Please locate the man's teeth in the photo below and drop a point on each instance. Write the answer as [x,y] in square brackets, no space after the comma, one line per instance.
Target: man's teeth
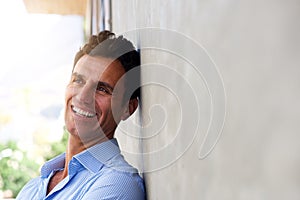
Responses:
[82,112]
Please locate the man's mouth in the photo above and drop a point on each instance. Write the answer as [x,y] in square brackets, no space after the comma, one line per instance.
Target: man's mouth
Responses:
[82,112]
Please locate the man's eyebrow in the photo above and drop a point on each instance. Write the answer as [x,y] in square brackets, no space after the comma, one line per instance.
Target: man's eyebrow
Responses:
[100,83]
[78,75]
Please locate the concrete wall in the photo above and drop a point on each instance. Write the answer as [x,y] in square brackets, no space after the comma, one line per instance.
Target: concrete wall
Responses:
[253,47]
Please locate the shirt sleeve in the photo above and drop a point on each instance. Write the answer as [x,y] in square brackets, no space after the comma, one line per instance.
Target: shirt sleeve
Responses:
[30,190]
[117,187]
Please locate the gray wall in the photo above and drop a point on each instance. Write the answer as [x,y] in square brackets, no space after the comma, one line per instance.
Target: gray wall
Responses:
[255,47]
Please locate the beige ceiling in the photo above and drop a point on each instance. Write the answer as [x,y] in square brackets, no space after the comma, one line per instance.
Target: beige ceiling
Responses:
[62,7]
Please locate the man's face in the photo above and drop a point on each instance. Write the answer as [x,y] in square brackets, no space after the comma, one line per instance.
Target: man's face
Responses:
[90,98]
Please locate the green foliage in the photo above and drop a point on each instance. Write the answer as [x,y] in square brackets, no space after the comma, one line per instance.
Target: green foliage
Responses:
[16,168]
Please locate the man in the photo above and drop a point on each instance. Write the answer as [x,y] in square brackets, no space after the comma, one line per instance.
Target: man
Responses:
[98,97]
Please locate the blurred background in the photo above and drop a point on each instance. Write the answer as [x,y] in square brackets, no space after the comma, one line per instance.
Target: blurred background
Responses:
[37,51]
[253,46]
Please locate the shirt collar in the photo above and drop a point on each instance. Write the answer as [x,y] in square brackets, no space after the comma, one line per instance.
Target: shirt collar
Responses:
[92,158]
[57,162]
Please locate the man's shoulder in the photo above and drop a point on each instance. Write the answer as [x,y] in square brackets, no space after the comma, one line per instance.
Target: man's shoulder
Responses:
[119,164]
[120,172]
[115,184]
[110,175]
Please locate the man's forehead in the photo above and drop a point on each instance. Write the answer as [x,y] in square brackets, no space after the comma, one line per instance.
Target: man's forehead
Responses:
[97,66]
[92,64]
[99,69]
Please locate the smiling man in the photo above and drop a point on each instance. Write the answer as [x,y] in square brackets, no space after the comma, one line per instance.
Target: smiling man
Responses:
[98,97]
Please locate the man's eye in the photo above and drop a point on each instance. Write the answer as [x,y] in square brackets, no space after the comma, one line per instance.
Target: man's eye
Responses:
[102,89]
[77,80]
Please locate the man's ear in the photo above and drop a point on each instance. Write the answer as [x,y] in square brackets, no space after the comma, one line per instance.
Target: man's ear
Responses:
[132,105]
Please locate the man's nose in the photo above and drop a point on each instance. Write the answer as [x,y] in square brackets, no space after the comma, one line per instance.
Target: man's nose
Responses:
[86,94]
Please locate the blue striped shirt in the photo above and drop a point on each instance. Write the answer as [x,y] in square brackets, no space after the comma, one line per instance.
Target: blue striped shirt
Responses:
[99,172]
